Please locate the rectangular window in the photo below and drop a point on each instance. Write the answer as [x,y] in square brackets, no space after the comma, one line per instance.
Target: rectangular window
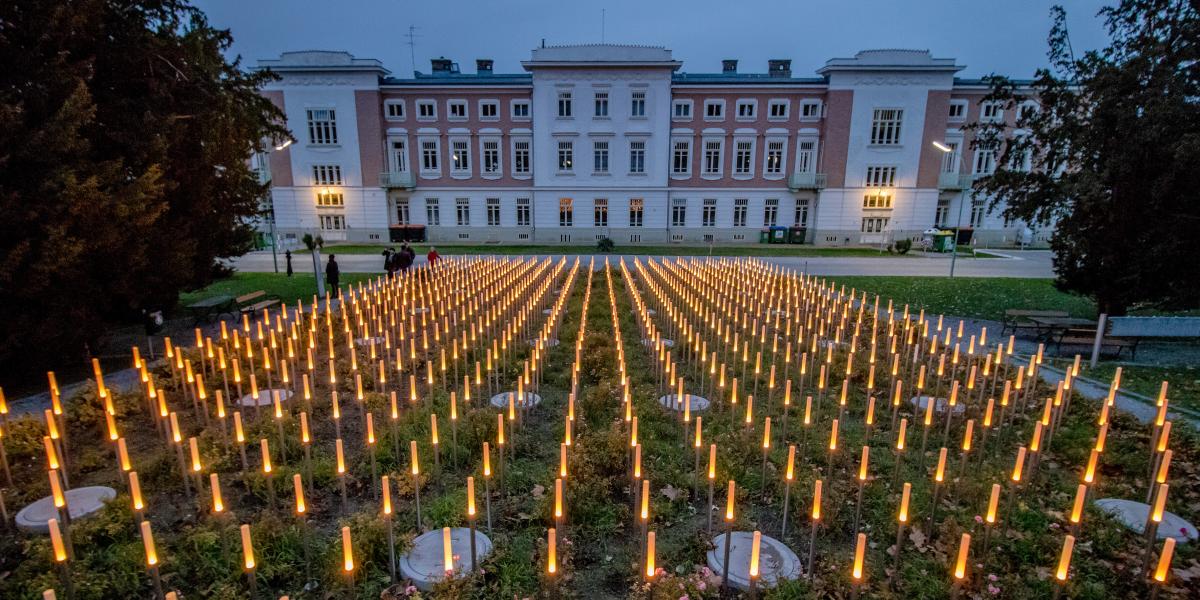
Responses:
[332,222]
[460,156]
[777,110]
[520,109]
[712,157]
[399,156]
[682,110]
[745,109]
[523,219]
[462,210]
[326,198]
[327,175]
[992,111]
[743,159]
[433,213]
[941,214]
[1020,159]
[489,110]
[810,110]
[879,182]
[679,212]
[740,206]
[774,164]
[771,212]
[885,126]
[521,157]
[566,212]
[402,213]
[426,110]
[950,159]
[600,157]
[681,157]
[801,219]
[636,211]
[393,110]
[985,161]
[322,126]
[429,156]
[491,157]
[564,105]
[493,212]
[600,213]
[458,110]
[874,224]
[714,110]
[958,110]
[708,215]
[978,211]
[806,156]
[637,105]
[566,158]
[637,157]
[601,105]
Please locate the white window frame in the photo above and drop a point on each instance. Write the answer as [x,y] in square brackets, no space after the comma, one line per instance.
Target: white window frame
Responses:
[433,212]
[516,154]
[704,170]
[637,156]
[886,129]
[708,212]
[679,205]
[566,212]
[452,104]
[749,103]
[524,212]
[512,109]
[460,143]
[635,102]
[332,222]
[321,132]
[770,212]
[565,149]
[403,211]
[492,211]
[773,103]
[494,104]
[327,198]
[601,157]
[437,156]
[600,212]
[637,212]
[879,185]
[874,224]
[995,108]
[675,116]
[398,157]
[780,173]
[600,104]
[806,160]
[326,175]
[687,149]
[1027,105]
[431,105]
[714,102]
[959,106]
[392,103]
[564,104]
[739,153]
[459,205]
[498,170]
[800,214]
[741,208]
[810,106]
[951,160]
[984,161]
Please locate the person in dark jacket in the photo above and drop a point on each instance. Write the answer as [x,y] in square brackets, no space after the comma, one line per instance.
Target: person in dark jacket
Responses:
[288,255]
[332,273]
[404,258]
[389,262]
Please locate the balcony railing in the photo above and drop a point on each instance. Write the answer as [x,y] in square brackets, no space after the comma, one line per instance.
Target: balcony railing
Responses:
[391,180]
[807,181]
[954,181]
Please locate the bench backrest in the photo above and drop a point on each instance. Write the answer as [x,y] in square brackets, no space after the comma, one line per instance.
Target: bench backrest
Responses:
[1167,327]
[250,297]
[1018,312]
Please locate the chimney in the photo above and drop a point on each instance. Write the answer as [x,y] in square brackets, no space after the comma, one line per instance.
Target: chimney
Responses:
[483,66]
[729,66]
[440,65]
[779,67]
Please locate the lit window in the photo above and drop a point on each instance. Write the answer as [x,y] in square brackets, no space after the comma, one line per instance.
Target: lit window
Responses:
[879,182]
[600,213]
[636,211]
[566,157]
[566,212]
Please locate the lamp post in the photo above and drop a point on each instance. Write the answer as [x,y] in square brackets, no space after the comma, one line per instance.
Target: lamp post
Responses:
[961,201]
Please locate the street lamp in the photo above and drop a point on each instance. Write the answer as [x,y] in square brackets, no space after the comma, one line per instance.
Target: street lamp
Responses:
[945,149]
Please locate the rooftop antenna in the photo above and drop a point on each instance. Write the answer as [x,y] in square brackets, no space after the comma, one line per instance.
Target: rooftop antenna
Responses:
[412,47]
[602,26]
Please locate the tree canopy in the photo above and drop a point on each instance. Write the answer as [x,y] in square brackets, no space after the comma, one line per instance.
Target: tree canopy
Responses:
[125,138]
[1105,147]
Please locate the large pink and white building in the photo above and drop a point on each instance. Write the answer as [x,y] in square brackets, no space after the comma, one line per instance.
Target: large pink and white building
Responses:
[607,140]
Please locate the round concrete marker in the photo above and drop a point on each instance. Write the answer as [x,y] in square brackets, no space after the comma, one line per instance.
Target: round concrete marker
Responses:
[81,501]
[501,400]
[939,406]
[651,312]
[672,402]
[546,311]
[550,343]
[265,397]
[775,561]
[419,309]
[666,342]
[424,564]
[1134,514]
[367,341]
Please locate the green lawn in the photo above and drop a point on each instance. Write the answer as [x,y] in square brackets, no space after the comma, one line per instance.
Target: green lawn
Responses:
[1184,389]
[978,297]
[287,288]
[669,250]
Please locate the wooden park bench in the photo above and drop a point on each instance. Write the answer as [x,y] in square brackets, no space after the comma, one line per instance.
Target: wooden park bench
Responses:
[255,301]
[1087,338]
[1015,318]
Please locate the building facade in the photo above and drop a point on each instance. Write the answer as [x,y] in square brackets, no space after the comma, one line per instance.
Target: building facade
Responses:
[604,140]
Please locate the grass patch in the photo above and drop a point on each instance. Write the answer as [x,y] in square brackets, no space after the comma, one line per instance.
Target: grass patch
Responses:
[667,250]
[976,297]
[288,288]
[1183,390]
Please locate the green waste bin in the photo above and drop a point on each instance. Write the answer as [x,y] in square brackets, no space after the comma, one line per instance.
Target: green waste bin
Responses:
[779,235]
[797,234]
[943,241]
[764,236]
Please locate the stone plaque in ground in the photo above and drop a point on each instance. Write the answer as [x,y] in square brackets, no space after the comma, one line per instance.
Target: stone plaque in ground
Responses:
[265,397]
[425,563]
[501,400]
[920,402]
[1134,514]
[775,562]
[81,501]
[672,402]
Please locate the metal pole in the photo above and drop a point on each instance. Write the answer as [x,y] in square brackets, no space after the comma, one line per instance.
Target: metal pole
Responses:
[957,226]
[1099,341]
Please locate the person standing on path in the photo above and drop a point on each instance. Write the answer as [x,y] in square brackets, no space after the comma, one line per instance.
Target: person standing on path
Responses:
[332,273]
[432,257]
[288,255]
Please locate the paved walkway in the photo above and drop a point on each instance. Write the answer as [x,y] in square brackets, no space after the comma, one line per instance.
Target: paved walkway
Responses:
[1029,263]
